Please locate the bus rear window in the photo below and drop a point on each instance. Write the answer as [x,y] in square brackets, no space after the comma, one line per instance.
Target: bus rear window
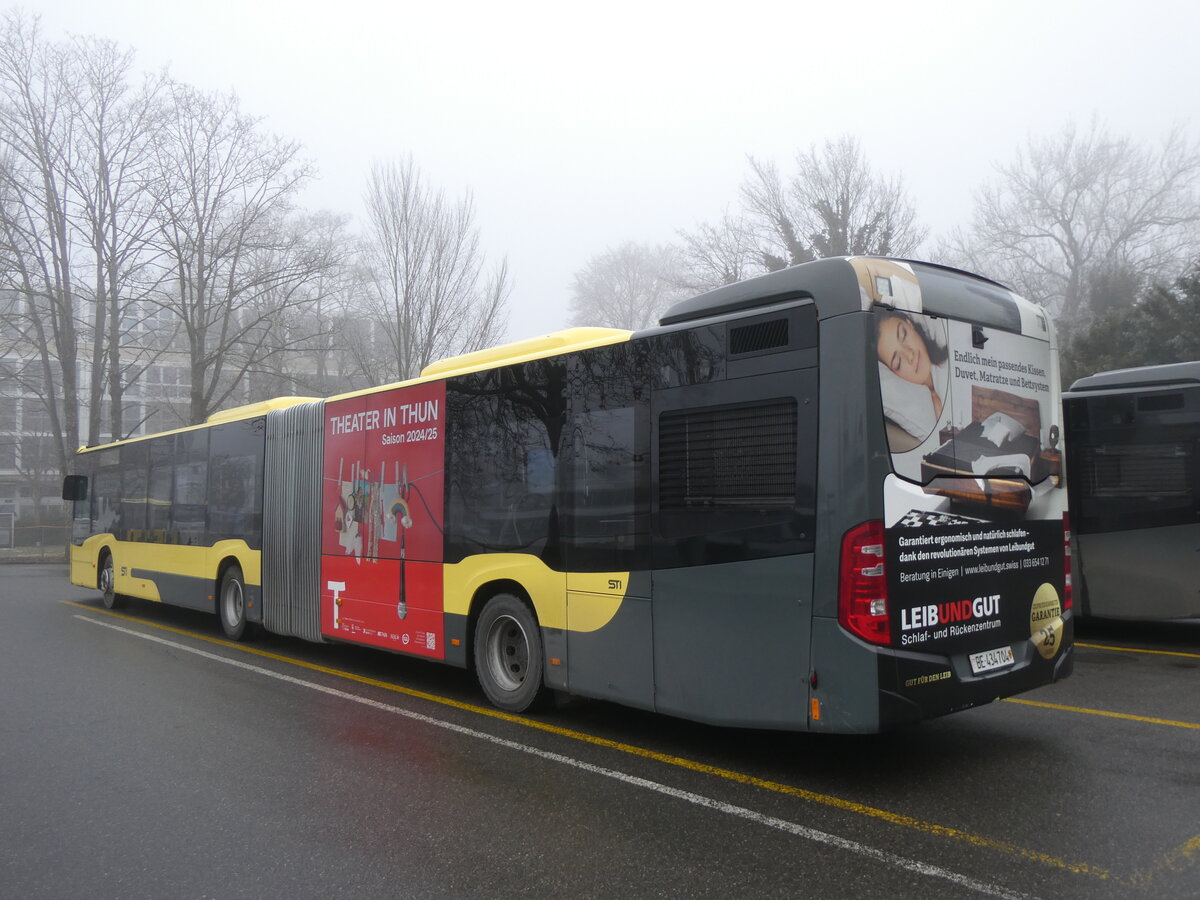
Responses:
[948,293]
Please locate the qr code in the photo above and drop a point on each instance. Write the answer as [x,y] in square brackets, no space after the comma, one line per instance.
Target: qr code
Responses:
[430,641]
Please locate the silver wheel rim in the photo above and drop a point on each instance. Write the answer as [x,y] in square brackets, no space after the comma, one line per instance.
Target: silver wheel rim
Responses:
[106,579]
[232,603]
[506,651]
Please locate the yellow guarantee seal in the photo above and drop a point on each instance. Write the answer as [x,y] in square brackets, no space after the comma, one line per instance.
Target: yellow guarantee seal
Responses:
[1045,621]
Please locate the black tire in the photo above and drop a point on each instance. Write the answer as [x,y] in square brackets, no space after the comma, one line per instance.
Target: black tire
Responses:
[231,605]
[508,654]
[107,583]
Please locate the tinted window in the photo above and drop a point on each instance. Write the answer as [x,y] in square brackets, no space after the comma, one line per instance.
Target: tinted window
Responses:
[695,356]
[235,481]
[605,499]
[189,508]
[162,473]
[960,296]
[504,435]
[1132,465]
[106,493]
[134,461]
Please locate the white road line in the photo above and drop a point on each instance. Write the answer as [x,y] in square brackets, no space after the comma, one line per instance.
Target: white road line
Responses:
[810,834]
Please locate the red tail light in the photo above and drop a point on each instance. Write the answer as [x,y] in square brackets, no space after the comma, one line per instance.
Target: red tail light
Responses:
[862,585]
[1067,590]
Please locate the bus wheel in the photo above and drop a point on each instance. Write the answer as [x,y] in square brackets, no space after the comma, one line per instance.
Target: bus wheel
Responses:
[508,654]
[231,604]
[107,583]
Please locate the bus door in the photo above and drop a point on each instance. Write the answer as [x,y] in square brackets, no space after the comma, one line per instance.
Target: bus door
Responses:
[604,518]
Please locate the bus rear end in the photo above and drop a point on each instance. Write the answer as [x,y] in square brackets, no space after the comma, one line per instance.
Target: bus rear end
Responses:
[953,560]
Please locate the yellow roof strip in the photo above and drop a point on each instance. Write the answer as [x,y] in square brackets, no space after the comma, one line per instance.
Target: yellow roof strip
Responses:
[234,414]
[570,340]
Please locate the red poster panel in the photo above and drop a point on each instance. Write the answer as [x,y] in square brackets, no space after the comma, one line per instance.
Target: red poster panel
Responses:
[382,517]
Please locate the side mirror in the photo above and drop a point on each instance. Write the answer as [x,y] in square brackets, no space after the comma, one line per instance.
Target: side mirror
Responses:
[75,487]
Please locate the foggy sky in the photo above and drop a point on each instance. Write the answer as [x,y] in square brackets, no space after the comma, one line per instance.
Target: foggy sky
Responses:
[578,127]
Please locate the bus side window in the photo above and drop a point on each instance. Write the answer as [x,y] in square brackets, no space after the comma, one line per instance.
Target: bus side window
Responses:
[135,460]
[235,482]
[106,495]
[605,503]
[502,440]
[189,511]
[162,471]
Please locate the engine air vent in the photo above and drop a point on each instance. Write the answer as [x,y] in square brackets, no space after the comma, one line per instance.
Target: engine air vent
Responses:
[758,337]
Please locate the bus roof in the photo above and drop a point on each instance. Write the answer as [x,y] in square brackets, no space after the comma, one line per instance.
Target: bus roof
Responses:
[491,357]
[834,278]
[233,414]
[1140,377]
[530,348]
[505,354]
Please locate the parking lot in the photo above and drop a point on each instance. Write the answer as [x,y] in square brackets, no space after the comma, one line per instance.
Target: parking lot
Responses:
[164,757]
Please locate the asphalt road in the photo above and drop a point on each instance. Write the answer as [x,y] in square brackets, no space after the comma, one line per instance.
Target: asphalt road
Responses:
[142,756]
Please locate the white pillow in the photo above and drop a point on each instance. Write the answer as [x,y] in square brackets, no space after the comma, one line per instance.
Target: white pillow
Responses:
[908,405]
[985,464]
[1000,427]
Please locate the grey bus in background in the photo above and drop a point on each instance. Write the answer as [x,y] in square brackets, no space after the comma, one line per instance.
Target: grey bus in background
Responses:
[1132,461]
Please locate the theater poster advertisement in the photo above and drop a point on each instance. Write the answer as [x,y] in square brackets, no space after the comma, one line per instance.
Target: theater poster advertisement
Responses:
[973,512]
[382,508]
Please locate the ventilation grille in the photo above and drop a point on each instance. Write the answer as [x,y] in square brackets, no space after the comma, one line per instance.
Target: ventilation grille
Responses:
[758,337]
[1138,470]
[741,456]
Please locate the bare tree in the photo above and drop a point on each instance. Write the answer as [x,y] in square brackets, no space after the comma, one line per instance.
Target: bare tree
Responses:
[113,128]
[714,255]
[625,287]
[427,291]
[34,222]
[1083,220]
[73,221]
[833,205]
[224,192]
[308,343]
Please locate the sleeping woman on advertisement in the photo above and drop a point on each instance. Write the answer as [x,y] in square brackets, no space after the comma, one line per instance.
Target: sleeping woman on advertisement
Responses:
[988,420]
[913,375]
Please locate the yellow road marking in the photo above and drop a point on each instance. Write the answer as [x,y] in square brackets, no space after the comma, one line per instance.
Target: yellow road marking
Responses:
[1079,868]
[1150,720]
[1176,861]
[1138,650]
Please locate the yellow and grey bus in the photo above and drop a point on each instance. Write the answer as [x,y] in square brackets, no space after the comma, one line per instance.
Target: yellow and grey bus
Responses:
[825,499]
[1134,457]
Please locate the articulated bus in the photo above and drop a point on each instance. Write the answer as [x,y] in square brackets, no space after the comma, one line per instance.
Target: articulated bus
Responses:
[1133,439]
[825,499]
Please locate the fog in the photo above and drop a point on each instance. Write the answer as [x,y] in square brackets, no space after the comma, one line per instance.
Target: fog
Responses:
[578,128]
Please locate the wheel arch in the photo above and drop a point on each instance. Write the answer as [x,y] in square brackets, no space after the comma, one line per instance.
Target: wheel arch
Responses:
[104,552]
[479,599]
[224,565]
